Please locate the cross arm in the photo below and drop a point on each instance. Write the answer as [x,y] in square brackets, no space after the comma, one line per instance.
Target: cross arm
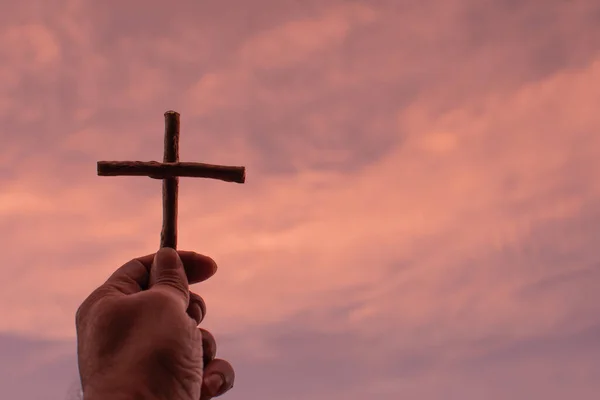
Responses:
[158,170]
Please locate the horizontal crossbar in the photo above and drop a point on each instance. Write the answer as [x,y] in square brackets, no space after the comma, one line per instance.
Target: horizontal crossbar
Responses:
[159,170]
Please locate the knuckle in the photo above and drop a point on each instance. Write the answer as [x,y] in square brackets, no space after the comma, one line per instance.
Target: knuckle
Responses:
[79,314]
[84,307]
[88,306]
[174,283]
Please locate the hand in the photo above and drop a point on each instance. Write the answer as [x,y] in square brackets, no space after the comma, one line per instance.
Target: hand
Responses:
[137,334]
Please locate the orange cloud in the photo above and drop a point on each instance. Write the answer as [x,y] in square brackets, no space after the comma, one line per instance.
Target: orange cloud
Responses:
[421,197]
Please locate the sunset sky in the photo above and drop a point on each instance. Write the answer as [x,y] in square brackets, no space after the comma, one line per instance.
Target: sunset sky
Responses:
[421,215]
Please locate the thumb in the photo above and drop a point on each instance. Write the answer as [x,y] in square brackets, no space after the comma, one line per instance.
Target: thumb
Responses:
[167,274]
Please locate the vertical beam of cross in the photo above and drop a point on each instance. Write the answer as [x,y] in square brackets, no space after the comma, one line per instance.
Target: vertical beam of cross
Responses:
[169,171]
[170,185]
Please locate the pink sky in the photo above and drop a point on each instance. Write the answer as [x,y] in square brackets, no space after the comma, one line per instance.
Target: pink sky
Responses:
[422,208]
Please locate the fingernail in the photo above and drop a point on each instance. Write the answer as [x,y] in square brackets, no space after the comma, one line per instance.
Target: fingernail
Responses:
[214,383]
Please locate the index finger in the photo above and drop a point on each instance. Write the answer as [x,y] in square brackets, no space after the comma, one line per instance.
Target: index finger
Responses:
[134,276]
[198,267]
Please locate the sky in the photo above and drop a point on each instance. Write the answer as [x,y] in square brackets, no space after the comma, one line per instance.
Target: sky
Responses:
[422,204]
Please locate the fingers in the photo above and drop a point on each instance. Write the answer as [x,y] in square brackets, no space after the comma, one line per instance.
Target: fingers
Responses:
[218,374]
[198,268]
[209,346]
[133,276]
[197,308]
[219,377]
[168,275]
[130,278]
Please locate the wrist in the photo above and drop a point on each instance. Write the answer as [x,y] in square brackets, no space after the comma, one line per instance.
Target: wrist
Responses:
[126,383]
[126,391]
[116,396]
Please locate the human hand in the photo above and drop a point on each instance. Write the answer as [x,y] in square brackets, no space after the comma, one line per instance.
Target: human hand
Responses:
[137,334]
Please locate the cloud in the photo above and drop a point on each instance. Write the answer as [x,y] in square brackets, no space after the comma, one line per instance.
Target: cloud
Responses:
[31,367]
[420,213]
[298,40]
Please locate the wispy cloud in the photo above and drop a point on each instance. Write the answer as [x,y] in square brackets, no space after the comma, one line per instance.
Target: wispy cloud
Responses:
[420,212]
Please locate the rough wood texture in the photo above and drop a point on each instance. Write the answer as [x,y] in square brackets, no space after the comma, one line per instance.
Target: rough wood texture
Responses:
[158,170]
[168,235]
[169,171]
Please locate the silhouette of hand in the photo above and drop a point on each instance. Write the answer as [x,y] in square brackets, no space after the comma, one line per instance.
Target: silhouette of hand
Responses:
[137,334]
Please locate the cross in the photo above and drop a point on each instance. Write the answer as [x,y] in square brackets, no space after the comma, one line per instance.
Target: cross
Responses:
[169,171]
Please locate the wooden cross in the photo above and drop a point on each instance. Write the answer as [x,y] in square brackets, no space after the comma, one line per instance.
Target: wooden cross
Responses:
[169,171]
